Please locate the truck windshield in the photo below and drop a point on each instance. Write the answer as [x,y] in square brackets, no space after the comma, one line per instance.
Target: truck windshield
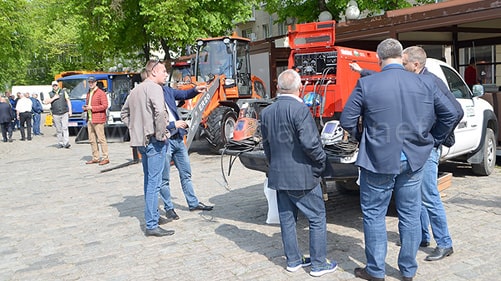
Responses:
[77,88]
[216,58]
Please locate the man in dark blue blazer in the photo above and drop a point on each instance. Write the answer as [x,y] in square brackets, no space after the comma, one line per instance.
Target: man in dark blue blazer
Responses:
[432,210]
[6,117]
[398,110]
[296,161]
[178,153]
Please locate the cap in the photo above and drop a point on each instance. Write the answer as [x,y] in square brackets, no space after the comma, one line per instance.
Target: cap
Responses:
[54,83]
[91,79]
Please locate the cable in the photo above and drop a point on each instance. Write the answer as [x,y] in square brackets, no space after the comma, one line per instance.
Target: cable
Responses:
[234,149]
[341,148]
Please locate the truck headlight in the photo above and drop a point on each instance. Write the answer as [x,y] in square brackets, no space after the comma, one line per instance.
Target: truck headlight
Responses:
[229,82]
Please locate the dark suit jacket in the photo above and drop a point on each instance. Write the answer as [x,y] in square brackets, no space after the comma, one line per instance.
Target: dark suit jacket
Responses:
[292,145]
[170,96]
[450,139]
[6,113]
[399,109]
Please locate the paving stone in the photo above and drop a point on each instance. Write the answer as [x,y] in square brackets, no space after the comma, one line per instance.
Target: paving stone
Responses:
[65,220]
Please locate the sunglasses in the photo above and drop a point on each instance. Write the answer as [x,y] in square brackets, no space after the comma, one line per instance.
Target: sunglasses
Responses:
[154,65]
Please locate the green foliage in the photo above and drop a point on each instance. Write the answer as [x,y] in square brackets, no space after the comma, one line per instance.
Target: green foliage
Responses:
[14,42]
[308,10]
[51,36]
[41,38]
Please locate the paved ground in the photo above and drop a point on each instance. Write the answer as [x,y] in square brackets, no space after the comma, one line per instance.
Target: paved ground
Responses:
[64,220]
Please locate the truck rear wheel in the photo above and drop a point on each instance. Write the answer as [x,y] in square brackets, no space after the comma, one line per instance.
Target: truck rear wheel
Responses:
[220,125]
[486,167]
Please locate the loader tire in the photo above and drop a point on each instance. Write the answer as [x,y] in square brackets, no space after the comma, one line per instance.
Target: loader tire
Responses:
[220,125]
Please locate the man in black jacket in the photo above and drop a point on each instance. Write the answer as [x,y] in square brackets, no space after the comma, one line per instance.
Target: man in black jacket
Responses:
[296,160]
[6,117]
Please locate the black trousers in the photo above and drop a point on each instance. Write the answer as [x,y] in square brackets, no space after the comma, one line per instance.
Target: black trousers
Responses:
[25,119]
[6,131]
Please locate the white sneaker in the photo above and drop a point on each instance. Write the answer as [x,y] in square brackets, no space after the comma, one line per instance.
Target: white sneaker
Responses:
[304,262]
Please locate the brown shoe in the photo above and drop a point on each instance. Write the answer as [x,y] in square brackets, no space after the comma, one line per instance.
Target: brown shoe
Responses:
[92,162]
[104,162]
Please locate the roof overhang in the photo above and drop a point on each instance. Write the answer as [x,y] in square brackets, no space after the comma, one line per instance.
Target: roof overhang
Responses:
[460,23]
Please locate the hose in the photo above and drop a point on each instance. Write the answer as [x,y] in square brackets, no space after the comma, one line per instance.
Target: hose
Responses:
[236,148]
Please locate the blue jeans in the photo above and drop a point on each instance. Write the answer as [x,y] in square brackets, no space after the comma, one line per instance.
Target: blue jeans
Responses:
[179,154]
[432,204]
[311,204]
[153,158]
[375,194]
[36,124]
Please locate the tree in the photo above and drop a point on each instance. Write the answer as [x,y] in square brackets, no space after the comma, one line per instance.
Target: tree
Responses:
[308,10]
[173,25]
[13,57]
[44,37]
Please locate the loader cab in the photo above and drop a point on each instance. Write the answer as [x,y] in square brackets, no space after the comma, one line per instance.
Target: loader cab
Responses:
[228,57]
[181,73]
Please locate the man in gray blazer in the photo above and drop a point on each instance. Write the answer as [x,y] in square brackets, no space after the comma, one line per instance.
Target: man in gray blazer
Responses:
[296,161]
[145,114]
[398,110]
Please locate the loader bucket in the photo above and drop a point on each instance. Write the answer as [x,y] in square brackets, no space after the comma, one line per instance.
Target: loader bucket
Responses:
[114,133]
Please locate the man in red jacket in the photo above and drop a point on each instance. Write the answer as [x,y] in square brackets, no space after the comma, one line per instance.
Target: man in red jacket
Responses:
[96,105]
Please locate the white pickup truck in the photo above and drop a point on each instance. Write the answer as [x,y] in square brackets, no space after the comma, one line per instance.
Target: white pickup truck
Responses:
[475,135]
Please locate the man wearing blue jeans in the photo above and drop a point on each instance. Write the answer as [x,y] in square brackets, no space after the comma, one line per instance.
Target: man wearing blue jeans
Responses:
[178,153]
[146,116]
[297,161]
[399,110]
[432,210]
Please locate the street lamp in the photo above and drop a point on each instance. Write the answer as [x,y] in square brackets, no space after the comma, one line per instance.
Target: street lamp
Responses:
[325,16]
[352,11]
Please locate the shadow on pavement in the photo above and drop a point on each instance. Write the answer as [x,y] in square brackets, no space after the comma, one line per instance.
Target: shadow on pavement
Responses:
[131,206]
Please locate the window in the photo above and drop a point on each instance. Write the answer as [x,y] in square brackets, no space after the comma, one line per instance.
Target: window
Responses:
[247,33]
[456,84]
[282,28]
[266,31]
[485,57]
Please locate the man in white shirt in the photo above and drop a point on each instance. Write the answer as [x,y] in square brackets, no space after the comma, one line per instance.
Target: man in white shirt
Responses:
[23,110]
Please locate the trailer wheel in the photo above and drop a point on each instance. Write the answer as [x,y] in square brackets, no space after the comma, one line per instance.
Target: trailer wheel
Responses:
[486,167]
[220,125]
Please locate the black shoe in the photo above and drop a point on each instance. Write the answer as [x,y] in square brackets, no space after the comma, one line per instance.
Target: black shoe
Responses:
[162,221]
[361,273]
[407,278]
[202,207]
[171,214]
[67,145]
[22,139]
[158,232]
[439,253]
[11,140]
[424,244]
